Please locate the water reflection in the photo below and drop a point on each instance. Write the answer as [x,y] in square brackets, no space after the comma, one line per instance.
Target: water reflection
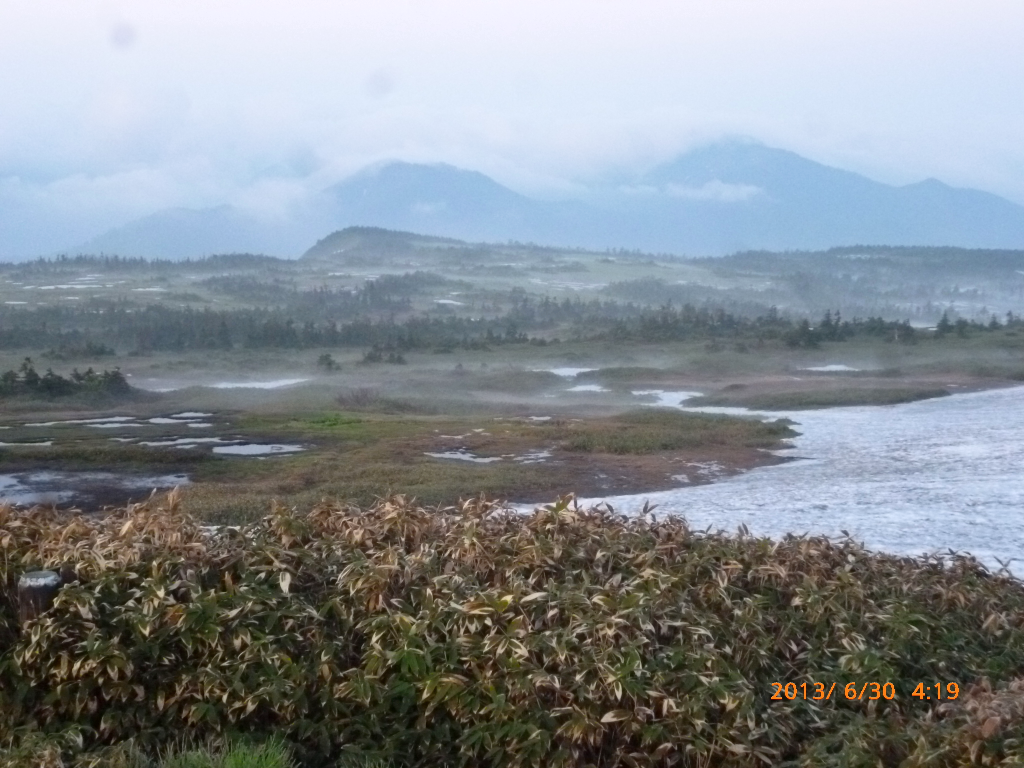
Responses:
[82,488]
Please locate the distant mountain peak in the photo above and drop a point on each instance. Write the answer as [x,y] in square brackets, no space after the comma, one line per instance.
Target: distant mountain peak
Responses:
[724,196]
[747,162]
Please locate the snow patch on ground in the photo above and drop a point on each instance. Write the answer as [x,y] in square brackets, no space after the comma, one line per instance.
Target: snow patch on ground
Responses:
[464,455]
[254,449]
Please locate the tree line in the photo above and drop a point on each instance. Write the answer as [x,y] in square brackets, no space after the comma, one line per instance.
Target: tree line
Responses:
[114,263]
[25,380]
[160,327]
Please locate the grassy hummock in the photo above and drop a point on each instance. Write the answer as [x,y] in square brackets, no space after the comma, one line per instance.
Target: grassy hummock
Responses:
[832,397]
[475,636]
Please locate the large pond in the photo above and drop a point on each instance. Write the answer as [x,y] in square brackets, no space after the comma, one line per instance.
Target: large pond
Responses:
[929,476]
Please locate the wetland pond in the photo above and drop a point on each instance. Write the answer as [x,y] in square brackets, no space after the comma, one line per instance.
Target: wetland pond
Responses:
[929,476]
[93,489]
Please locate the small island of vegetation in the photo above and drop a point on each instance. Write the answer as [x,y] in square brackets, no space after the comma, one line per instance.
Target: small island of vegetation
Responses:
[26,381]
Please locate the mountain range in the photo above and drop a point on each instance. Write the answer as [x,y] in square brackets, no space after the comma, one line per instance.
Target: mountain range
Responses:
[720,198]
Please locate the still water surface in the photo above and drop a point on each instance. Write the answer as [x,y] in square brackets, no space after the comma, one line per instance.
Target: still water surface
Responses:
[929,476]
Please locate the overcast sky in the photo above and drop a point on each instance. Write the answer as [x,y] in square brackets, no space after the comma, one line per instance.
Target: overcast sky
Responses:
[110,110]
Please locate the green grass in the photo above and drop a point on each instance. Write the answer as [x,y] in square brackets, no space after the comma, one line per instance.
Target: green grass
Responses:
[370,400]
[660,429]
[109,457]
[624,374]
[514,380]
[272,754]
[42,751]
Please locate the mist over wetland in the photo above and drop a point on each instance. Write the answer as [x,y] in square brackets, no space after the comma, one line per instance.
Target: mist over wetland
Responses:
[387,362]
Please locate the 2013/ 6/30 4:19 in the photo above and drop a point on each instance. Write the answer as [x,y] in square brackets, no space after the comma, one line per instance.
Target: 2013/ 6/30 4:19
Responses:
[854,691]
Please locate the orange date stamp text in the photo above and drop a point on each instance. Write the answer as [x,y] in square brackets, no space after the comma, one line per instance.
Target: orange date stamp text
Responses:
[854,691]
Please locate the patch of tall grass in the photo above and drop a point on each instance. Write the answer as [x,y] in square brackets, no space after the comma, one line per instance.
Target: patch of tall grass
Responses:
[370,399]
[660,429]
[824,398]
[38,751]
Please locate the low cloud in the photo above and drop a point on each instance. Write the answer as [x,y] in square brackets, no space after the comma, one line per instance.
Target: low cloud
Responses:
[715,191]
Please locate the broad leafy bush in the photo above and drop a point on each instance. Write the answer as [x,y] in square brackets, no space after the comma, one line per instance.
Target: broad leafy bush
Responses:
[480,637]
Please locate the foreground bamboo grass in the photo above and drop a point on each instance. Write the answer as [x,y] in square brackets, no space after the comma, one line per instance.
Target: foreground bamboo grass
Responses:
[475,636]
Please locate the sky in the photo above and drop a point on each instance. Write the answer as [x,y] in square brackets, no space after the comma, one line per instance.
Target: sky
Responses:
[113,110]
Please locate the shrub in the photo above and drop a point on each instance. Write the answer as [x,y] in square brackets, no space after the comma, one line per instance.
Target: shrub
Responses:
[476,636]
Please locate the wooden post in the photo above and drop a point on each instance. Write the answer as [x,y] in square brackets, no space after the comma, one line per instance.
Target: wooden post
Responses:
[36,591]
